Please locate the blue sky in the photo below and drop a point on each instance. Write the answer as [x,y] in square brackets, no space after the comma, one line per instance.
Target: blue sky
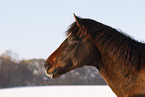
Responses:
[35,28]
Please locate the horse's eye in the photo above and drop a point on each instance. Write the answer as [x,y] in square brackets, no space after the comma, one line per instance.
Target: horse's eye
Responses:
[73,39]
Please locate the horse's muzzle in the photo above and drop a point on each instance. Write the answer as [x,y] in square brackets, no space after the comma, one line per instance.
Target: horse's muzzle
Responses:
[49,71]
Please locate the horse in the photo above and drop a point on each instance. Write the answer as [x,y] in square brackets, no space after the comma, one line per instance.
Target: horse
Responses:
[119,58]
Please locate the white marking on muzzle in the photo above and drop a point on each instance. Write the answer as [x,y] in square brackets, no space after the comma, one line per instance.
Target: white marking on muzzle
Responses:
[49,75]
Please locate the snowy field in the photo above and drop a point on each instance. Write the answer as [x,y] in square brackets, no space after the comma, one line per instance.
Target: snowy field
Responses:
[58,91]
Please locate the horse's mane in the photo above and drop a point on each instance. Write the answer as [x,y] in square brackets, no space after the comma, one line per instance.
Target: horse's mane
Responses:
[128,50]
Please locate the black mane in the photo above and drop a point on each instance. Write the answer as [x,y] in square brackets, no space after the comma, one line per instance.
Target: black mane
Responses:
[116,42]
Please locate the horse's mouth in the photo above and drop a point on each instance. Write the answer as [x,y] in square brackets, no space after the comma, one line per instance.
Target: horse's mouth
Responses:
[51,74]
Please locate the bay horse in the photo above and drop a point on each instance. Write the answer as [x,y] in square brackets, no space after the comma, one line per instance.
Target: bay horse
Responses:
[119,58]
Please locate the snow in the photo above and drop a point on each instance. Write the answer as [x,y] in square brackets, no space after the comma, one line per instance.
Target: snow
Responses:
[58,91]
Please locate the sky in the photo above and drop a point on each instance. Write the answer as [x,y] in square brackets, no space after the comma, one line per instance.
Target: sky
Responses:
[35,28]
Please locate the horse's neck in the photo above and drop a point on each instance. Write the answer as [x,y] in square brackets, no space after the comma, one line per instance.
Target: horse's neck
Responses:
[128,85]
[115,78]
[122,78]
[121,60]
[112,74]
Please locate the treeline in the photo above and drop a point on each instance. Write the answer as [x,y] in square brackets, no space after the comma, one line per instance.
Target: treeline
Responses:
[14,73]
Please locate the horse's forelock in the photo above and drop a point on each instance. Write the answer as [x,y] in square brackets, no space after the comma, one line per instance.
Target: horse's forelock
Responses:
[77,31]
[72,29]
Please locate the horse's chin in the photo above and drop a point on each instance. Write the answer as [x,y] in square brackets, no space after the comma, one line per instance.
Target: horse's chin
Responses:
[55,75]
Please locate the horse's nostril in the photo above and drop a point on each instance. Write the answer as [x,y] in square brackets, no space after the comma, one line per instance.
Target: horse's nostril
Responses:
[46,64]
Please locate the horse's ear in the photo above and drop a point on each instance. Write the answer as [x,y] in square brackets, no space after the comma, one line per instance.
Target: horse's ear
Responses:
[78,20]
[80,24]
